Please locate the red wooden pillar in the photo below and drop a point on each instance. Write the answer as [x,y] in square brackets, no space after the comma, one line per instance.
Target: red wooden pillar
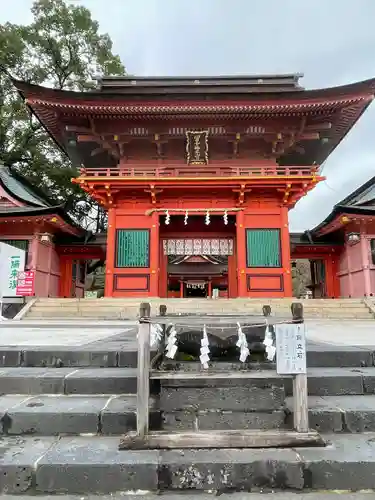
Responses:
[154,256]
[163,271]
[365,255]
[232,276]
[330,277]
[66,270]
[241,254]
[285,253]
[111,252]
[181,289]
[336,279]
[209,288]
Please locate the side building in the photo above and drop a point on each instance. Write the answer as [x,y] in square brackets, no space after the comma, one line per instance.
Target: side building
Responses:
[29,221]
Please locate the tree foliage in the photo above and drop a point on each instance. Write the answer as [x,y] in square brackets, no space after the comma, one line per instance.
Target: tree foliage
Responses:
[62,48]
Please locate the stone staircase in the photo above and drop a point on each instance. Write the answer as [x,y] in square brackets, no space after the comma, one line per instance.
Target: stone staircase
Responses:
[63,410]
[108,308]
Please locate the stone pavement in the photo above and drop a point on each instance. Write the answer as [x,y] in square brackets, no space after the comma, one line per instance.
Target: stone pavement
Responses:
[81,333]
[342,332]
[14,333]
[332,495]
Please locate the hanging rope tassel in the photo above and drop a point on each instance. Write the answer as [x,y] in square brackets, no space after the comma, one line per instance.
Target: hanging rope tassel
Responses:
[242,344]
[171,347]
[269,344]
[155,335]
[205,350]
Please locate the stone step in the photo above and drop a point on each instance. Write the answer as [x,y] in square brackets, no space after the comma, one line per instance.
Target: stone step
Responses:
[93,464]
[80,314]
[124,355]
[257,395]
[273,495]
[116,414]
[349,414]
[50,414]
[68,381]
[133,314]
[321,381]
[327,414]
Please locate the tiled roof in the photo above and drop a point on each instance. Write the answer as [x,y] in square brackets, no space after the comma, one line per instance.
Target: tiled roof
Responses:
[20,190]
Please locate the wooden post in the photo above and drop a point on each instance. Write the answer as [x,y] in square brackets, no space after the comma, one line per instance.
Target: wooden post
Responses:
[143,370]
[300,394]
[297,312]
[300,403]
[266,311]
[163,312]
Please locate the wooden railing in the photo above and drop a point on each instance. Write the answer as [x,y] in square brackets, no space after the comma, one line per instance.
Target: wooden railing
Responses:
[197,171]
[151,368]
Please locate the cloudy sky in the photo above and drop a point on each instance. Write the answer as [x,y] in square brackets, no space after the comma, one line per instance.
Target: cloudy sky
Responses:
[331,41]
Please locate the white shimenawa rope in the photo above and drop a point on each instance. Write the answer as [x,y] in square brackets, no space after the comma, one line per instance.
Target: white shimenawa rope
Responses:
[171,347]
[205,350]
[156,333]
[242,344]
[269,344]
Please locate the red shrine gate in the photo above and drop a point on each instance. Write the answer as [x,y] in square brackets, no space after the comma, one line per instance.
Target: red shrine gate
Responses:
[207,248]
[238,151]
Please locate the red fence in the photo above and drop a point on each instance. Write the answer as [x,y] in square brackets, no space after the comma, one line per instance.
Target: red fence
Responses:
[197,171]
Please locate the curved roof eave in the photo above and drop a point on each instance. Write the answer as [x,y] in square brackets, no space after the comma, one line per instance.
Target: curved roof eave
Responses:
[19,189]
[28,90]
[342,209]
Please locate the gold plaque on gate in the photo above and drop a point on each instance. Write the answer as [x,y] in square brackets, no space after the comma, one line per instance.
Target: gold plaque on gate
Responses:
[197,147]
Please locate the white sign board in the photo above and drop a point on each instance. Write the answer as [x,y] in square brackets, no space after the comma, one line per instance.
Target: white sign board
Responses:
[12,261]
[290,349]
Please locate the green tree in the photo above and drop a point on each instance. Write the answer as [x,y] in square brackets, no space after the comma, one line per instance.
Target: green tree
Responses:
[62,48]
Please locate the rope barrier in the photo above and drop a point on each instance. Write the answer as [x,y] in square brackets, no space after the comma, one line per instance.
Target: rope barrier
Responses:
[228,325]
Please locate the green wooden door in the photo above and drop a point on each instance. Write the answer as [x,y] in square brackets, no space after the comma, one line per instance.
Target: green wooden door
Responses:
[263,248]
[132,248]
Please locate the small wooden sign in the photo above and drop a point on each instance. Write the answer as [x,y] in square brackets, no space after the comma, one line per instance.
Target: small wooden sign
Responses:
[197,147]
[25,283]
[290,349]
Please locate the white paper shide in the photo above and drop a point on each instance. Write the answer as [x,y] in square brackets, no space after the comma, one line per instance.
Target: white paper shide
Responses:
[156,333]
[242,344]
[171,347]
[269,344]
[205,350]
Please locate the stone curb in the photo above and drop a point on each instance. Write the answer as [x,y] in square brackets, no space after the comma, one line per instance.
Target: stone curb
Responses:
[321,381]
[99,355]
[95,465]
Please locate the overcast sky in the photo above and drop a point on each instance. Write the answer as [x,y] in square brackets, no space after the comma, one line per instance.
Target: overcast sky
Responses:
[331,41]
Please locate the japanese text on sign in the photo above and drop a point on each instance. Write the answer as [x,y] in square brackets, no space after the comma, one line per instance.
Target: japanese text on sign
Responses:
[12,261]
[25,283]
[290,349]
[15,262]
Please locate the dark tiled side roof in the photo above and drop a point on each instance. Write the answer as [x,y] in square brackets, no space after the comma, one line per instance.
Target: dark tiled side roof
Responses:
[19,188]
